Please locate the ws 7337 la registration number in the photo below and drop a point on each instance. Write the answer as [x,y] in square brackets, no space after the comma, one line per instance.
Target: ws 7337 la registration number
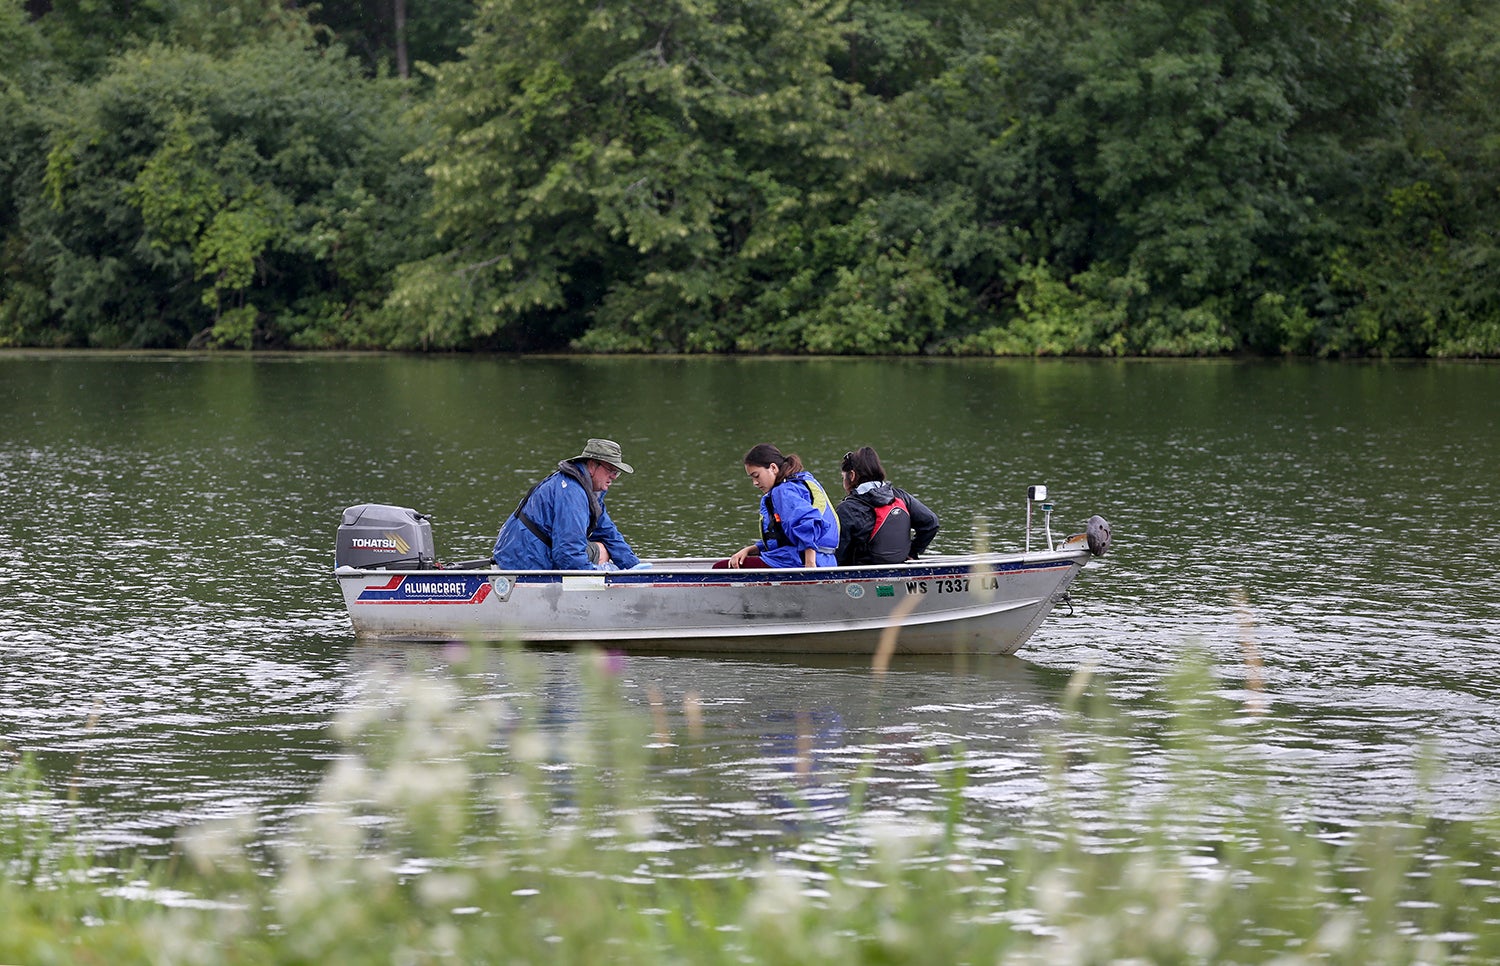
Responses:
[953,585]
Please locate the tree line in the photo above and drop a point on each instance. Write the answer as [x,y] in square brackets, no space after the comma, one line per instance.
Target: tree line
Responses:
[1012,177]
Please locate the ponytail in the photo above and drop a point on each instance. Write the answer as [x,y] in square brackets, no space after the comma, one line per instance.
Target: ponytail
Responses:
[864,463]
[767,454]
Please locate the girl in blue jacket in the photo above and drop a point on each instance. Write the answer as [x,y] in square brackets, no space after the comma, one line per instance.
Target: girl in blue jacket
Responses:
[798,525]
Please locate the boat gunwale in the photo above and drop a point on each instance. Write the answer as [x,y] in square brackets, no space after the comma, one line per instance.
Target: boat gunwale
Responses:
[700,567]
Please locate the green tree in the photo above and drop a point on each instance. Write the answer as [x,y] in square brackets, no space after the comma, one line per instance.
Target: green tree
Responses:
[252,200]
[641,170]
[1138,177]
[85,34]
[1416,269]
[396,34]
[24,76]
[855,176]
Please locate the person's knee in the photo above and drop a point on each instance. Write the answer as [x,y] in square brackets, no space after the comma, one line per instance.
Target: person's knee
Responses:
[598,553]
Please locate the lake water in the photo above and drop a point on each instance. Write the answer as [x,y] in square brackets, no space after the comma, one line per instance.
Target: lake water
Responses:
[174,646]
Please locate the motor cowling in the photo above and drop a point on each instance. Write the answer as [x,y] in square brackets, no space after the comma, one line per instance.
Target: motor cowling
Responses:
[378,536]
[1099,533]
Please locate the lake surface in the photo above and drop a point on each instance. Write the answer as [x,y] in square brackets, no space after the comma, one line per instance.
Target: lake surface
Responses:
[175,647]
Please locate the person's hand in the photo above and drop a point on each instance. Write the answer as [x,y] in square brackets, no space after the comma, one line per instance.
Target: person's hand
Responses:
[738,560]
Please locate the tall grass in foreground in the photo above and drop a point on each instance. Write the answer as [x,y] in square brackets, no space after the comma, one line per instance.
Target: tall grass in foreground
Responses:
[457,830]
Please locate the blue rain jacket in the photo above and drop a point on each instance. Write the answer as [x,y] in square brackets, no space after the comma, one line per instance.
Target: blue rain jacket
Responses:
[560,507]
[806,519]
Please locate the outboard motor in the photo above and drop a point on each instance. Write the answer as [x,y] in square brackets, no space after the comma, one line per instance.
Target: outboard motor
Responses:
[1099,532]
[377,536]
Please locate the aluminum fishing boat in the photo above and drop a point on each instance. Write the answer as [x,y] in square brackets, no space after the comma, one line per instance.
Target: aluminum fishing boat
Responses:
[988,603]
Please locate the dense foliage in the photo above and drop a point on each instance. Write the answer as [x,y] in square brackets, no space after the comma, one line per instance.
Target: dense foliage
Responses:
[844,176]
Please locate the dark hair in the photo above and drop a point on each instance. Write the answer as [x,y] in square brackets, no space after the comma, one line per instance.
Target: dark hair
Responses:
[766,454]
[864,463]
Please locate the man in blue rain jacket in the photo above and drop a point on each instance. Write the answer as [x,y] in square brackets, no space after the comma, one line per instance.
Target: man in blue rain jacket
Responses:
[561,523]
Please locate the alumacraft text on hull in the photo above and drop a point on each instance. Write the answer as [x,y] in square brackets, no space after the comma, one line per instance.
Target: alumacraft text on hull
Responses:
[970,603]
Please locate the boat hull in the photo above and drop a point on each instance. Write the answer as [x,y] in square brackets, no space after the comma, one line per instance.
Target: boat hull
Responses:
[980,603]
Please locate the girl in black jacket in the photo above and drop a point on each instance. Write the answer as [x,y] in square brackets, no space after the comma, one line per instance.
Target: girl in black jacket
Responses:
[879,523]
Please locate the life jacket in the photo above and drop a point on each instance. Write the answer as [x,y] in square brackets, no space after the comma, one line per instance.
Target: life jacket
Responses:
[890,544]
[569,469]
[773,533]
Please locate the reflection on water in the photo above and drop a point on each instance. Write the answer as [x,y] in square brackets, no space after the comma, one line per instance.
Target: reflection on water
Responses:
[747,750]
[175,647]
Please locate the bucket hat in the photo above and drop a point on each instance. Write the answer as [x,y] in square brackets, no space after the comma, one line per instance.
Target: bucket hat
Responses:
[605,451]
